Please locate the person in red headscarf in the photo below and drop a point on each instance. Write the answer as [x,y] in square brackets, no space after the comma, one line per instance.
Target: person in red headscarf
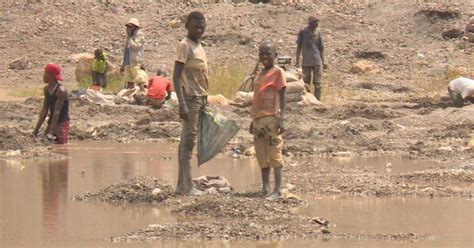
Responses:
[55,102]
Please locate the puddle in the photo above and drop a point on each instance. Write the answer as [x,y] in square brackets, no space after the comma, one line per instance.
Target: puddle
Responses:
[37,210]
[449,219]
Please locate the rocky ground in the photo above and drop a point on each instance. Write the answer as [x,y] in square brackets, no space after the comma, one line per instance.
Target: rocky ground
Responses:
[425,129]
[395,105]
[229,216]
[404,40]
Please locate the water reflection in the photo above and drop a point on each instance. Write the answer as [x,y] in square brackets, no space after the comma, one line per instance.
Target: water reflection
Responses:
[54,179]
[36,207]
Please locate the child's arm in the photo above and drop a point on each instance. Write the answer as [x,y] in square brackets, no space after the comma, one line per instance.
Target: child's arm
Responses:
[183,109]
[321,50]
[282,91]
[43,113]
[183,52]
[168,90]
[282,110]
[299,43]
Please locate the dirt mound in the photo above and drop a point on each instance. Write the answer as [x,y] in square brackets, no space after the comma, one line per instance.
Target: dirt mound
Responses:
[10,140]
[230,230]
[17,142]
[135,190]
[457,176]
[245,230]
[238,205]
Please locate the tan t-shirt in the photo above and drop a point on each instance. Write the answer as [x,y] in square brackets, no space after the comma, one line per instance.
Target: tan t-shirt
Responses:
[194,77]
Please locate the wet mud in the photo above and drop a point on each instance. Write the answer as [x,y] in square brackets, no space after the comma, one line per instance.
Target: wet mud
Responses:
[351,129]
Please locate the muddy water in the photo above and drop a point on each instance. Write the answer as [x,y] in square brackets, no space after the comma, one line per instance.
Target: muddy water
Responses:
[36,209]
[449,219]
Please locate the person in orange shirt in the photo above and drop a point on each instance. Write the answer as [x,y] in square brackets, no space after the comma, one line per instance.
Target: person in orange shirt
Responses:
[268,108]
[159,89]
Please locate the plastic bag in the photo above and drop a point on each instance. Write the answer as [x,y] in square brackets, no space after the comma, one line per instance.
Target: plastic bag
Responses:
[214,132]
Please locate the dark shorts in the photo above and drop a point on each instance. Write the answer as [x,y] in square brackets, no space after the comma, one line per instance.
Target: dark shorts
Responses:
[99,79]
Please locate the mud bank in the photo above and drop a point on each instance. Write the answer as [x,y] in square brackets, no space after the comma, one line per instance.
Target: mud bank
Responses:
[397,129]
[231,216]
[248,216]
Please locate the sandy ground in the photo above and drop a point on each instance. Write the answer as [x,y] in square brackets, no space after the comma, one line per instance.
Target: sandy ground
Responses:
[399,109]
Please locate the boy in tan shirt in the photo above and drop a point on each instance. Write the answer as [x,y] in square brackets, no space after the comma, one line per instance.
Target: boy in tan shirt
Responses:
[191,85]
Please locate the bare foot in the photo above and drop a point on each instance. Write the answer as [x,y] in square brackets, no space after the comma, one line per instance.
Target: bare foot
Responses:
[195,192]
[274,196]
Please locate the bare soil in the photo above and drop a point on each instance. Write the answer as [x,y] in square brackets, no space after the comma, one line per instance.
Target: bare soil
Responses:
[409,130]
[400,109]
[226,216]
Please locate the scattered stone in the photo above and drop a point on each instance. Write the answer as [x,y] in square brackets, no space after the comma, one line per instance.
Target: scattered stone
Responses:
[248,230]
[342,154]
[467,166]
[364,66]
[440,12]
[175,24]
[320,221]
[156,191]
[452,33]
[469,37]
[20,64]
[469,28]
[369,55]
[12,153]
[325,231]
[446,148]
[250,151]
[135,190]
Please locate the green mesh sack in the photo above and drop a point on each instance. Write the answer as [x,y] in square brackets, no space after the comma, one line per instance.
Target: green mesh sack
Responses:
[214,132]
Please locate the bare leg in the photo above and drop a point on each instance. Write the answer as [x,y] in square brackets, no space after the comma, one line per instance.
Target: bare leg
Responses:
[265,181]
[188,140]
[277,191]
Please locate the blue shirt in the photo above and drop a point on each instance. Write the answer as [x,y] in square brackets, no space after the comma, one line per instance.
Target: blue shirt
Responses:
[126,59]
[312,47]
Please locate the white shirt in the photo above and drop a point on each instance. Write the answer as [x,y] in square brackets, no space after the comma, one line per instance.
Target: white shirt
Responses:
[463,86]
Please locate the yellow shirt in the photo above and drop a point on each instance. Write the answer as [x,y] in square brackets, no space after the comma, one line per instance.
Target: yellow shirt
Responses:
[100,65]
